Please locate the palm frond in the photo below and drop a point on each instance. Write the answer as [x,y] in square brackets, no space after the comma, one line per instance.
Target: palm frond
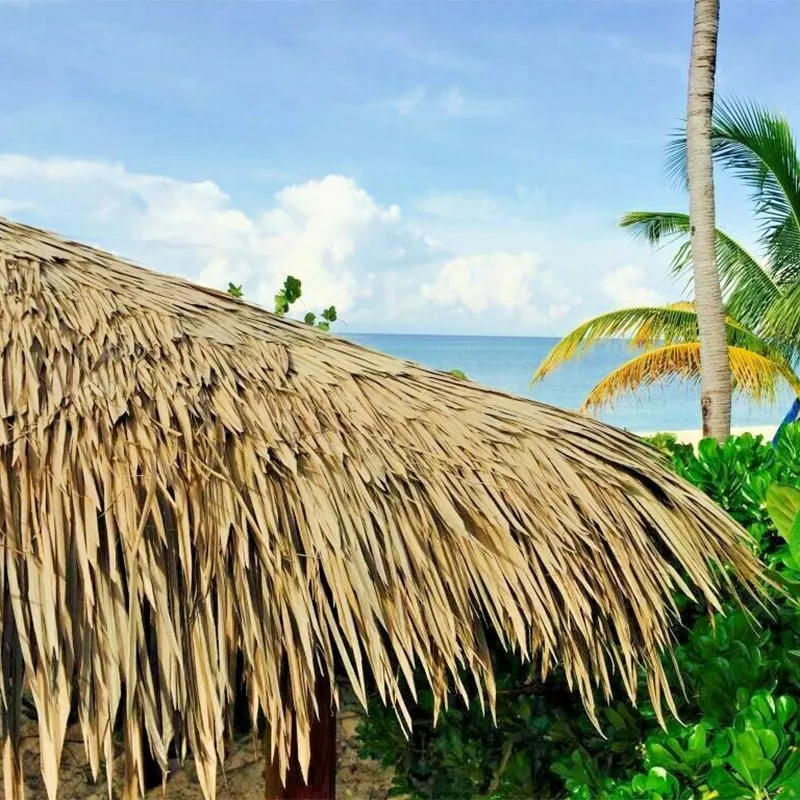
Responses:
[648,327]
[783,317]
[645,325]
[746,284]
[754,375]
[656,227]
[758,147]
[652,331]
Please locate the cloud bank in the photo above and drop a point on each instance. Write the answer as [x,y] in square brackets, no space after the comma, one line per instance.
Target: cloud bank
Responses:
[382,270]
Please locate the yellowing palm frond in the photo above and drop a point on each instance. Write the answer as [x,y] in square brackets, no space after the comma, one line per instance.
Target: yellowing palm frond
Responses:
[754,374]
[646,327]
[653,330]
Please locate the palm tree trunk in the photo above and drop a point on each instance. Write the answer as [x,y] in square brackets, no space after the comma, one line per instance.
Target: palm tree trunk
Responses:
[715,370]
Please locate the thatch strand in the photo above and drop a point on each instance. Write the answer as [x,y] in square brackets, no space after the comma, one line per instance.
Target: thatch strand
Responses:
[186,478]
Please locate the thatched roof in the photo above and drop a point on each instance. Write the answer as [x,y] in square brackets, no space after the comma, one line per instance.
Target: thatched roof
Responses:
[187,477]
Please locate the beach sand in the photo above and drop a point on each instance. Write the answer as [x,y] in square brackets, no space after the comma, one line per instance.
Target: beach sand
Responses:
[692,437]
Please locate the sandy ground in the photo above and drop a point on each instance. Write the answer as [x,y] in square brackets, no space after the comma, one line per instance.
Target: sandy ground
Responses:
[693,436]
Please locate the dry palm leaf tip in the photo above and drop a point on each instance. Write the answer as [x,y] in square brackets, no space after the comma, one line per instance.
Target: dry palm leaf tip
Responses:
[188,479]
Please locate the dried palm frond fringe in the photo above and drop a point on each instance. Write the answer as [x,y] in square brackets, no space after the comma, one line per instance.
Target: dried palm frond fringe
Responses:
[187,478]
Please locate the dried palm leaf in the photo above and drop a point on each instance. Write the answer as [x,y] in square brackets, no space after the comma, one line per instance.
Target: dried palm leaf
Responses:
[187,478]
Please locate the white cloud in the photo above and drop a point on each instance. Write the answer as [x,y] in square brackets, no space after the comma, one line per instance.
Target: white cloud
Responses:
[501,282]
[9,207]
[626,287]
[330,233]
[462,262]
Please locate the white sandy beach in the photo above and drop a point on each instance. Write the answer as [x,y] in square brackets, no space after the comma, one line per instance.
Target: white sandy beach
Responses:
[692,437]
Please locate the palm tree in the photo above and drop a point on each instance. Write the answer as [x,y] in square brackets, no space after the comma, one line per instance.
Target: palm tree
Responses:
[669,337]
[762,296]
[715,369]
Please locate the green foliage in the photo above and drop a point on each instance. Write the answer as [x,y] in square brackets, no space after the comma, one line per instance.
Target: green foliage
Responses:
[291,292]
[328,316]
[754,757]
[739,736]
[783,505]
[734,473]
[459,374]
[667,443]
[748,286]
[466,756]
[757,146]
[761,289]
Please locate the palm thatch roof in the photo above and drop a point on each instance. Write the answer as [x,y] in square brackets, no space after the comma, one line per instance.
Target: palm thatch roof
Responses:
[187,479]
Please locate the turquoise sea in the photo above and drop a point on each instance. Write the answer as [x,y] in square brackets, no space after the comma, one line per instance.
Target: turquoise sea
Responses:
[509,362]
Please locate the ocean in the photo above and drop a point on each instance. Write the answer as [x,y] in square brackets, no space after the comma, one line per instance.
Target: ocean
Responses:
[508,363]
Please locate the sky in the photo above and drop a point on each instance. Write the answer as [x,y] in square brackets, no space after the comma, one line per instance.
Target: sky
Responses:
[427,167]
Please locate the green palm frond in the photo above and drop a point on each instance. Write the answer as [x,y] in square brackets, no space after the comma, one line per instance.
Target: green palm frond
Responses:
[747,286]
[754,375]
[656,227]
[758,147]
[783,318]
[742,337]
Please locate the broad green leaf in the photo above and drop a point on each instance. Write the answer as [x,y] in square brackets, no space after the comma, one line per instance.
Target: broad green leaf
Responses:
[794,540]
[769,742]
[697,739]
[749,762]
[726,785]
[783,505]
[786,709]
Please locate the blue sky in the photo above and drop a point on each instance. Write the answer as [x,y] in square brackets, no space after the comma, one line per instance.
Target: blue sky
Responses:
[442,167]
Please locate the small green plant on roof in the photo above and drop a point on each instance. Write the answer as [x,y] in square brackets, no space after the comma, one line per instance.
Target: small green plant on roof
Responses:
[290,293]
[740,669]
[235,291]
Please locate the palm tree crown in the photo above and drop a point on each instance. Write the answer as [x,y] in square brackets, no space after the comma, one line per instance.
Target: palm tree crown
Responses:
[762,296]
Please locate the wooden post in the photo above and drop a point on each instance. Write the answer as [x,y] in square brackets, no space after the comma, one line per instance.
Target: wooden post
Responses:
[322,769]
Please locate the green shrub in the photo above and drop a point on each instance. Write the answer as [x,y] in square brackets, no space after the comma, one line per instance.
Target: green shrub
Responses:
[667,443]
[741,671]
